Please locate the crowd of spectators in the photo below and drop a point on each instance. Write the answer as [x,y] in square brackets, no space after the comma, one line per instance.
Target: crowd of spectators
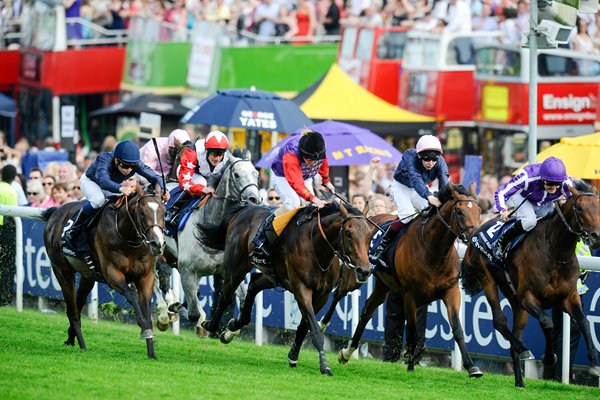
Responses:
[300,21]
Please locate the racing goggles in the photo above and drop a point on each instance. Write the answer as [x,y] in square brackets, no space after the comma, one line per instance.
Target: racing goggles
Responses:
[552,184]
[126,165]
[429,156]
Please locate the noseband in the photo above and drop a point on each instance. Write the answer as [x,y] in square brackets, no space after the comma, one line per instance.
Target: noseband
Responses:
[580,231]
[343,257]
[461,229]
[135,222]
[242,190]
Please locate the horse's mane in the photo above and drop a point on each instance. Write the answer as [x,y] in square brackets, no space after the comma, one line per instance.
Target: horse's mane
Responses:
[238,152]
[445,193]
[582,186]
[330,209]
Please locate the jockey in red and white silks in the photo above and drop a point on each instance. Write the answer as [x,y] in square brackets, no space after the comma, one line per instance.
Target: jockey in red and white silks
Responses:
[200,168]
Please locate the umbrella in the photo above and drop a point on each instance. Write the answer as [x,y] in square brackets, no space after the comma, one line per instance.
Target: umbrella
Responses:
[148,103]
[249,109]
[580,154]
[346,145]
[8,107]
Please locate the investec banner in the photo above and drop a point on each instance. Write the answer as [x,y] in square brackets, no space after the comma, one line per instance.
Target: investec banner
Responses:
[281,310]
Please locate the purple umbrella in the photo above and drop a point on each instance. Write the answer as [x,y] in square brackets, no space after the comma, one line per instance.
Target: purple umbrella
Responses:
[346,145]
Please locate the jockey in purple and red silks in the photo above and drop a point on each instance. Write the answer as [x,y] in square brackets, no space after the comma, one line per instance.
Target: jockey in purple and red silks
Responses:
[294,168]
[533,191]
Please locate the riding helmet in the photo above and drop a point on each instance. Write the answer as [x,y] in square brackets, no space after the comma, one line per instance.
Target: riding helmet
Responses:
[312,145]
[429,143]
[553,170]
[216,140]
[128,152]
[180,135]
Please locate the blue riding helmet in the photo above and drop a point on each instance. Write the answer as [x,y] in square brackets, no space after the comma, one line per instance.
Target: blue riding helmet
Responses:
[553,170]
[128,152]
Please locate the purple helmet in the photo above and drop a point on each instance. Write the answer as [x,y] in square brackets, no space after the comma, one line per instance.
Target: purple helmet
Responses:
[553,170]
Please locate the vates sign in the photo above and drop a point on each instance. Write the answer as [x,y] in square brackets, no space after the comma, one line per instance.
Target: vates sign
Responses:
[258,120]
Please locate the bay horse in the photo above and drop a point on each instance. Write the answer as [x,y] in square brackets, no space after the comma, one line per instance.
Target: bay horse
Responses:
[302,263]
[124,246]
[238,185]
[544,270]
[426,268]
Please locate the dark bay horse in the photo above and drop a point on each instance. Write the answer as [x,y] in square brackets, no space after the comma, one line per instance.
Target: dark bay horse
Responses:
[544,271]
[426,268]
[124,246]
[302,262]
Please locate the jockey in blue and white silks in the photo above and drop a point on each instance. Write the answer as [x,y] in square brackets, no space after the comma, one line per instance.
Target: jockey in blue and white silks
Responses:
[533,192]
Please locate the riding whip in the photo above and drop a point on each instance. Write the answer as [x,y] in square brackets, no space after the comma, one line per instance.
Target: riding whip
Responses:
[162,173]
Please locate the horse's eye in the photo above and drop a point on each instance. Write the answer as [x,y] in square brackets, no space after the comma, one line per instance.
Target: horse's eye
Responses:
[349,235]
[236,175]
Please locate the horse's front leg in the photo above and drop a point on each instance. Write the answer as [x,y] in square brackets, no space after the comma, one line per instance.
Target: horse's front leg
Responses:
[190,282]
[338,294]
[162,322]
[572,306]
[144,287]
[533,307]
[452,300]
[380,292]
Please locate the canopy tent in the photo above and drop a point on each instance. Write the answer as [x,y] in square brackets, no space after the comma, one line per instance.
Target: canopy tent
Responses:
[148,103]
[580,154]
[336,96]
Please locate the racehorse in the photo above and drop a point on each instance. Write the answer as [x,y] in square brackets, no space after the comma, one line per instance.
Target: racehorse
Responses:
[238,185]
[302,263]
[124,245]
[426,268]
[544,271]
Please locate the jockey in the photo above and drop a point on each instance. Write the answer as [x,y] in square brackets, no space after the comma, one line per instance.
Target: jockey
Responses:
[168,149]
[418,168]
[107,177]
[294,168]
[532,191]
[201,168]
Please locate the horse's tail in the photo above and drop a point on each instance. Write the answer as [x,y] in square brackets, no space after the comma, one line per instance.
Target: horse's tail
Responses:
[469,279]
[212,237]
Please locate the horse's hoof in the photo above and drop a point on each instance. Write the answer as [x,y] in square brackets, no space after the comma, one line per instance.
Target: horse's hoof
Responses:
[526,355]
[475,372]
[292,363]
[410,368]
[227,336]
[231,325]
[327,371]
[69,342]
[201,332]
[173,316]
[162,327]
[549,361]
[595,370]
[204,325]
[175,307]
[341,358]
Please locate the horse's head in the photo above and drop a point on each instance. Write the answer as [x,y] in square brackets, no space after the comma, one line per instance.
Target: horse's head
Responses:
[147,213]
[581,214]
[240,180]
[354,234]
[462,208]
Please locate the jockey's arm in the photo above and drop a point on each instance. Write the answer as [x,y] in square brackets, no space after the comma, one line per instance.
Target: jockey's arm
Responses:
[324,173]
[187,169]
[293,175]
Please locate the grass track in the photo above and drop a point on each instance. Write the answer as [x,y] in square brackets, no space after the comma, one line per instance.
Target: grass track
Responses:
[34,364]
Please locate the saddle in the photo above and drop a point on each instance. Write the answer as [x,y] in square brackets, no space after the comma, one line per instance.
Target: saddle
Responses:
[186,205]
[388,255]
[283,220]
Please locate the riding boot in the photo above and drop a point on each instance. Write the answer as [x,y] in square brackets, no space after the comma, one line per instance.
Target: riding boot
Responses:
[387,239]
[263,242]
[73,231]
[506,237]
[173,212]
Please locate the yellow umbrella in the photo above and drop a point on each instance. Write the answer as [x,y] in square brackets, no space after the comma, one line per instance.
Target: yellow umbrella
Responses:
[580,154]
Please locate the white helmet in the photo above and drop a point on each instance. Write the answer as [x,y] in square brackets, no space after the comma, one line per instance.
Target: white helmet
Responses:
[429,142]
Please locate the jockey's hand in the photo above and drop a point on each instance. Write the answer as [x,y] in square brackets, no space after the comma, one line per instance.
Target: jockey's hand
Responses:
[208,189]
[330,187]
[434,201]
[166,196]
[504,215]
[318,202]
[126,190]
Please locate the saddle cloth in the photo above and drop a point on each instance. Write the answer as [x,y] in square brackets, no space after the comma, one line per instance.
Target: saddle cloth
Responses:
[388,254]
[184,213]
[486,238]
[281,221]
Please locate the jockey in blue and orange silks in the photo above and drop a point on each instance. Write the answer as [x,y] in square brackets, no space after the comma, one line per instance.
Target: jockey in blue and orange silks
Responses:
[294,168]
[533,192]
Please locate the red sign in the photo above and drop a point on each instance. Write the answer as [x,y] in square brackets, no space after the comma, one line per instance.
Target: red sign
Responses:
[31,66]
[567,104]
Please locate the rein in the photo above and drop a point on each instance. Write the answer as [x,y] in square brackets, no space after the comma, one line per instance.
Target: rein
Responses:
[134,222]
[461,229]
[343,257]
[241,191]
[580,232]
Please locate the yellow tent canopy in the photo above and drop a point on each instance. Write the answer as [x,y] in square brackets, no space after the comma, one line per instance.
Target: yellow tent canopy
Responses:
[336,96]
[580,154]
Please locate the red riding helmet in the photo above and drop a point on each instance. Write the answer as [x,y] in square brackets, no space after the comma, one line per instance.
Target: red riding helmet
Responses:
[216,140]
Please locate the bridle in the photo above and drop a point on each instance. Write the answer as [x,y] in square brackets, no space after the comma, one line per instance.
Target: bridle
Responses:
[461,229]
[580,231]
[136,223]
[237,199]
[345,260]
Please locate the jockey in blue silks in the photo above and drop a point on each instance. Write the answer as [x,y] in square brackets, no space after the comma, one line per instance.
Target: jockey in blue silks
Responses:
[106,176]
[418,168]
[533,192]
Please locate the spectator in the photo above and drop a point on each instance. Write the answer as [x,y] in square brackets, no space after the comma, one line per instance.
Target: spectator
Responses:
[35,193]
[458,19]
[273,198]
[66,172]
[509,27]
[359,201]
[266,16]
[331,23]
[52,169]
[48,182]
[306,21]
[74,189]
[16,184]
[8,196]
[60,194]
[380,205]
[285,25]
[72,10]
[35,173]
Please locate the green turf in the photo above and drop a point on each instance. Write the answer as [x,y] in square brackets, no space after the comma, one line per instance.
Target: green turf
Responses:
[34,364]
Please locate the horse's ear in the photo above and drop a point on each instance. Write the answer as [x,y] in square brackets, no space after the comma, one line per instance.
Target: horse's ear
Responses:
[365,210]
[472,189]
[573,191]
[247,155]
[343,210]
[138,189]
